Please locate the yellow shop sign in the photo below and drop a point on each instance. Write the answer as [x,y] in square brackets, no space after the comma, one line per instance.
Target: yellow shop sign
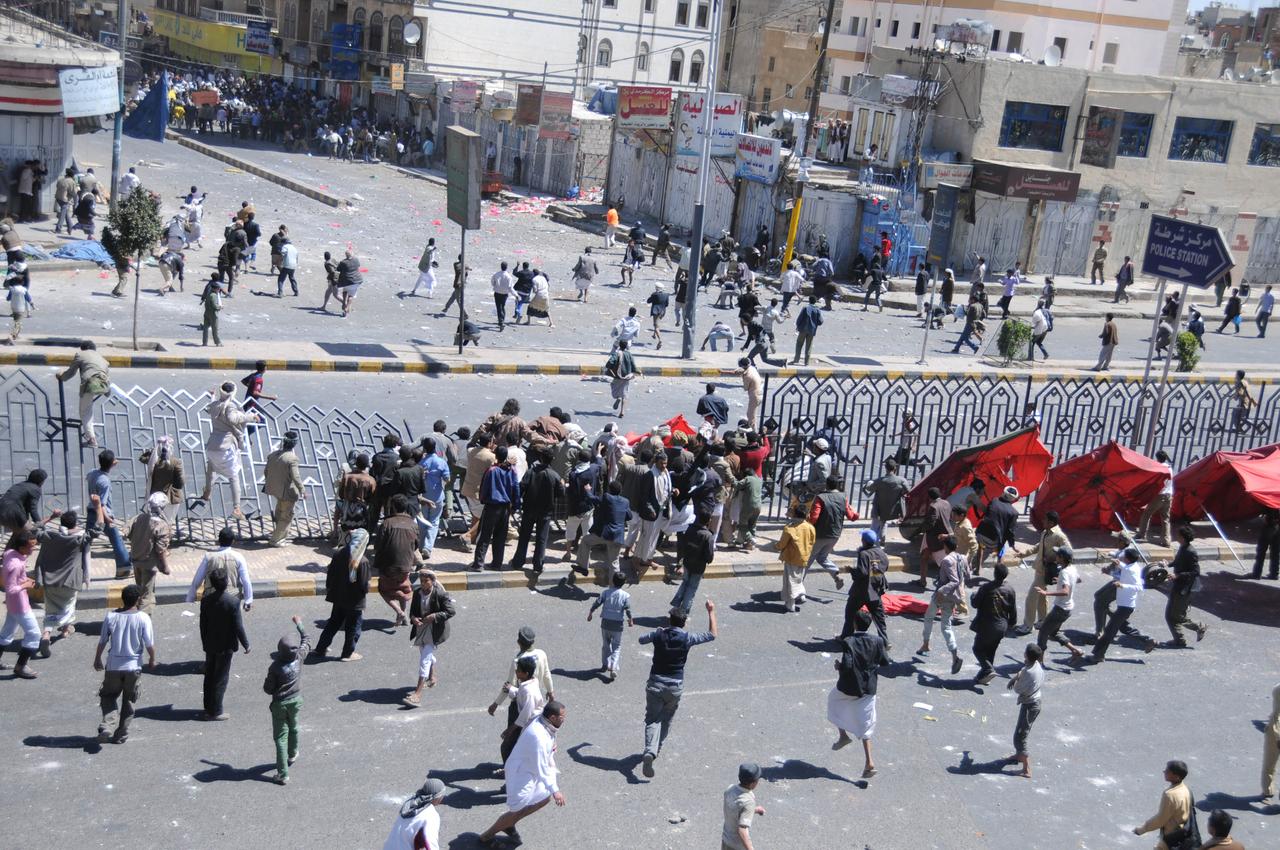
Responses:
[206,35]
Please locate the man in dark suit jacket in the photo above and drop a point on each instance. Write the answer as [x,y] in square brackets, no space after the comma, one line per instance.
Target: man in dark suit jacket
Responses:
[539,489]
[221,631]
[864,588]
[345,587]
[609,519]
[1185,568]
[430,612]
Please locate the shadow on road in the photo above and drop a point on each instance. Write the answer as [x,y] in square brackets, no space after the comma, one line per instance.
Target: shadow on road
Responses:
[88,743]
[816,645]
[376,696]
[768,602]
[1253,804]
[178,668]
[169,713]
[464,797]
[969,767]
[625,766]
[797,769]
[578,675]
[220,772]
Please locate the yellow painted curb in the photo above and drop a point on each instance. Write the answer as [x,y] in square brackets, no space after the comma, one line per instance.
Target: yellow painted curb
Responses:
[296,587]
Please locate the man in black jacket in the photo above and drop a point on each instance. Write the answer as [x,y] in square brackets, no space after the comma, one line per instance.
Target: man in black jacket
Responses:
[851,704]
[865,587]
[346,586]
[430,612]
[382,467]
[583,483]
[221,631]
[610,515]
[1185,568]
[539,488]
[995,531]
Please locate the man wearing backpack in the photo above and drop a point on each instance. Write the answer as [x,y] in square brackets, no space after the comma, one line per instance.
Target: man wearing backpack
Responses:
[1176,818]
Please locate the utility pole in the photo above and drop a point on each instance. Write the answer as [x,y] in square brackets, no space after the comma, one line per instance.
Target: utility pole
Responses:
[122,23]
[704,173]
[819,72]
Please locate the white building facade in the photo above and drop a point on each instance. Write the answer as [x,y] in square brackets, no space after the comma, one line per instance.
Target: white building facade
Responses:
[579,44]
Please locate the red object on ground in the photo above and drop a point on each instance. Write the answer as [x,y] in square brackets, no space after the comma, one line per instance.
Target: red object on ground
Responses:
[1088,491]
[902,603]
[1017,458]
[678,424]
[1230,485]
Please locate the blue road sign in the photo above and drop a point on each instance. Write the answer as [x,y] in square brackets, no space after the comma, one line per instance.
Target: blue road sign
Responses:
[1194,254]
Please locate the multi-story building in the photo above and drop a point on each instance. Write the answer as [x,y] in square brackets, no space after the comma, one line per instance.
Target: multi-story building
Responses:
[769,51]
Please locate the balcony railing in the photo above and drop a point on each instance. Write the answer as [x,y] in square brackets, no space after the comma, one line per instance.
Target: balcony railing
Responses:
[235,19]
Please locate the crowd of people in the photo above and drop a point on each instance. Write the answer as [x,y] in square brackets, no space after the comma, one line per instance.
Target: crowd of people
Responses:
[673,498]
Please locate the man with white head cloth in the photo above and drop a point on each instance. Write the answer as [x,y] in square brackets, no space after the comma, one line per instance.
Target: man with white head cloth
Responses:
[530,773]
[418,826]
[225,443]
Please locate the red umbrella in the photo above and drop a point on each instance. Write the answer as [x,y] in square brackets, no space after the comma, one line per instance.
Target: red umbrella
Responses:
[1230,485]
[1088,491]
[1017,458]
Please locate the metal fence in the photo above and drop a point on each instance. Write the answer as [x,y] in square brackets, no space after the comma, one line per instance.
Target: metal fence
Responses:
[37,430]
[862,415]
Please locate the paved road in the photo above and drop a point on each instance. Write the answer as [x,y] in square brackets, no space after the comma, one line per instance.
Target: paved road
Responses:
[758,693]
[388,229]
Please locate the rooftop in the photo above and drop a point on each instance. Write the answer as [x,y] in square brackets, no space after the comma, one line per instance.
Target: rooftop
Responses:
[27,40]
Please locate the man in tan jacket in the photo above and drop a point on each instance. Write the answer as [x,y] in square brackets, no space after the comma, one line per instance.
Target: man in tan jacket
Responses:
[1175,806]
[284,484]
[1037,606]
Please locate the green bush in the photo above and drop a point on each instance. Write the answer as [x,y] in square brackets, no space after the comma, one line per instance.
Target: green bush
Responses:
[1015,338]
[1188,351]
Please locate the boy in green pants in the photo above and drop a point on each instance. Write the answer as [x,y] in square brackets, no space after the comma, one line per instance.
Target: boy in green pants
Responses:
[284,683]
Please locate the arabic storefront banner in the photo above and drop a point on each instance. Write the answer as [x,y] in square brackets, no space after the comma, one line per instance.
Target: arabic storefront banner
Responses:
[1025,181]
[644,107]
[89,91]
[726,124]
[464,96]
[528,104]
[757,158]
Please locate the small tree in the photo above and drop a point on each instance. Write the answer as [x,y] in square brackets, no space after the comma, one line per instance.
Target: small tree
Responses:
[1014,340]
[132,231]
[1187,347]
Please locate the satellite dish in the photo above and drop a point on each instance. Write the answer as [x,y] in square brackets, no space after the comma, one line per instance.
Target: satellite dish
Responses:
[412,32]
[1052,56]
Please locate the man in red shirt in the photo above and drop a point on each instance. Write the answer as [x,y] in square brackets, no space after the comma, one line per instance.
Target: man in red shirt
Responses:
[886,247]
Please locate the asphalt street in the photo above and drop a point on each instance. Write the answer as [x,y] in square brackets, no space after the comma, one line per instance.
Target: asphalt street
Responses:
[758,693]
[388,227]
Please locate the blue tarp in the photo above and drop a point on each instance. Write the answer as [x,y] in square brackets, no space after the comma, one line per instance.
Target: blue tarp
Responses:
[85,250]
[150,118]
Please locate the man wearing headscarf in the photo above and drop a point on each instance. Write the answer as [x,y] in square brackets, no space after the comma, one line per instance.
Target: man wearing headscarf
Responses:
[346,586]
[284,484]
[149,548]
[418,826]
[225,443]
[164,475]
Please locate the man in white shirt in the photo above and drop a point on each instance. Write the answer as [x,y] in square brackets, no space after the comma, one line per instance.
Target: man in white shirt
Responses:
[418,826]
[626,330]
[1010,286]
[501,282]
[129,182]
[1126,576]
[1063,595]
[230,560]
[288,267]
[792,280]
[1039,330]
[127,631]
[1160,505]
[1266,303]
[528,699]
[530,773]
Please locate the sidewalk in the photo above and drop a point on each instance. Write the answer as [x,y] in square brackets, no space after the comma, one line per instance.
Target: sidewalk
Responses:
[299,570]
[161,353]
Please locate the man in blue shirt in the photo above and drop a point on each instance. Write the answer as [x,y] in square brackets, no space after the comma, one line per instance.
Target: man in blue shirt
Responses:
[671,647]
[806,327]
[435,475]
[609,518]
[99,484]
[500,495]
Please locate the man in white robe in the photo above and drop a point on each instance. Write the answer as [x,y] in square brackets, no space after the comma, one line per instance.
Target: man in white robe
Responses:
[531,773]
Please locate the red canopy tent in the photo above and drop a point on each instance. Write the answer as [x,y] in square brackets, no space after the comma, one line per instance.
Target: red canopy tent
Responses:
[1017,458]
[1230,485]
[1089,490]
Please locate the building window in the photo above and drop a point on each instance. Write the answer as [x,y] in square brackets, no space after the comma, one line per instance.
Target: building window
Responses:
[1135,134]
[808,93]
[1014,43]
[995,41]
[1110,52]
[767,95]
[651,6]
[289,21]
[1061,44]
[395,35]
[1265,149]
[695,67]
[642,57]
[609,4]
[675,73]
[893,29]
[375,32]
[357,19]
[915,30]
[604,54]
[789,92]
[682,13]
[704,16]
[877,23]
[728,62]
[1201,139]
[1033,126]
[771,63]
[854,24]
[846,85]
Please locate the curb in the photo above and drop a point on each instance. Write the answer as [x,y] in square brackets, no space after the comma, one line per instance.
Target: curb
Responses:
[257,170]
[584,370]
[108,596]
